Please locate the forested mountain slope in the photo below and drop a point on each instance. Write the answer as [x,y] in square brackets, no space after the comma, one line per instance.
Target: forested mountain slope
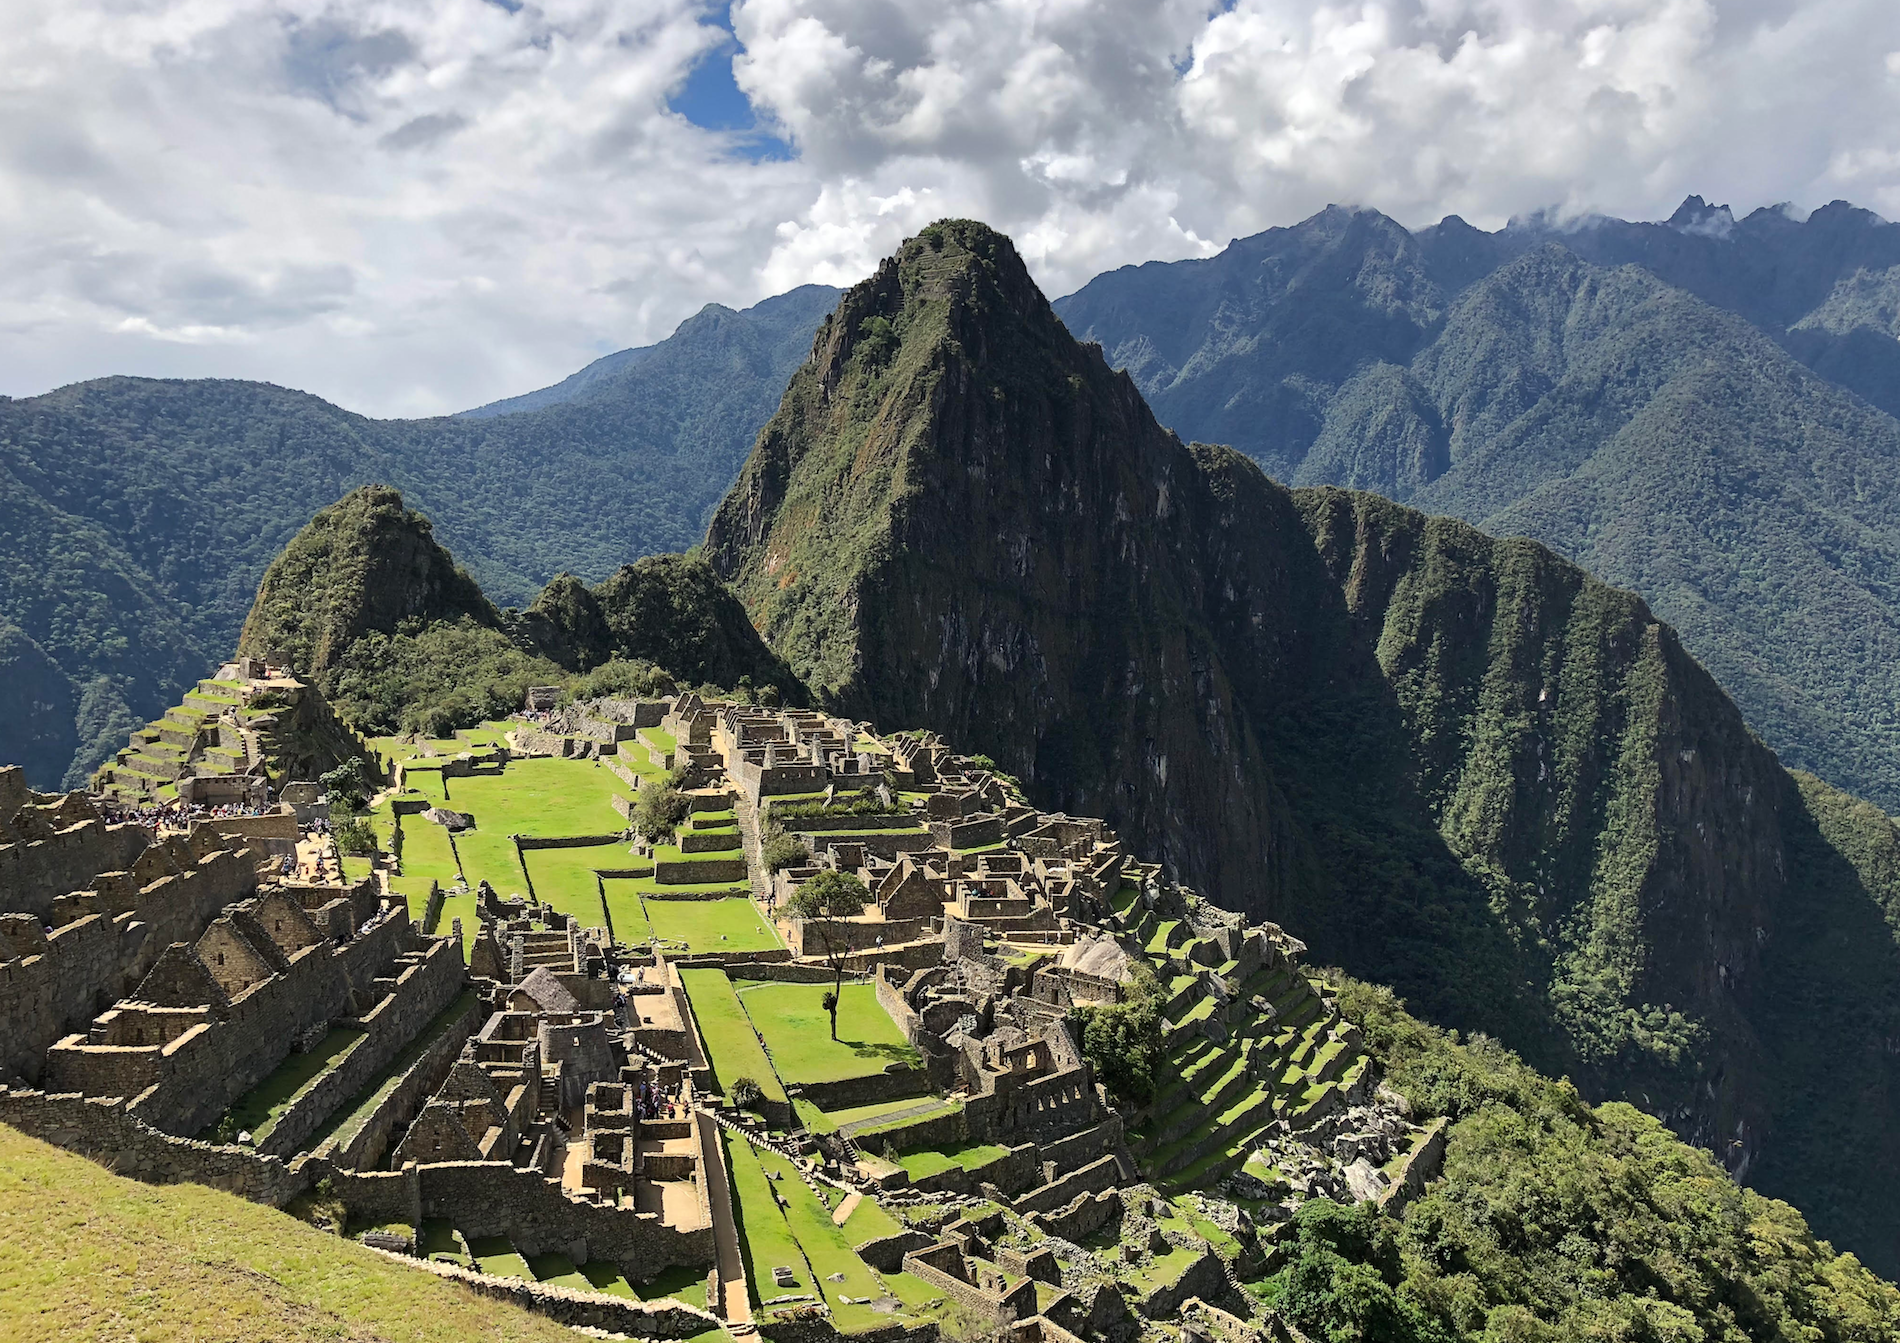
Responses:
[1634,395]
[370,605]
[1457,765]
[137,516]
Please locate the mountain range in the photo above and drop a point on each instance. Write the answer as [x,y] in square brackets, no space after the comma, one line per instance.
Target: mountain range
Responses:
[137,516]
[1456,764]
[1700,410]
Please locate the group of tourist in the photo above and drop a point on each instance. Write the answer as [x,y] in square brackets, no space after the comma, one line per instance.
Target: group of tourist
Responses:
[652,1103]
[174,815]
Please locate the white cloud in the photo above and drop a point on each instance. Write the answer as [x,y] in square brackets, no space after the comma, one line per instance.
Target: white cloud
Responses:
[410,207]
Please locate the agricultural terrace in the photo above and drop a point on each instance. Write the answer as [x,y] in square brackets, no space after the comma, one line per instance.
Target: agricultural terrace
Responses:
[799,1234]
[732,1047]
[797,1032]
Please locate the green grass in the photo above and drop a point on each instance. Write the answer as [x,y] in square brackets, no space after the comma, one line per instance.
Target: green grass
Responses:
[733,924]
[496,1256]
[731,1047]
[765,1239]
[605,1276]
[545,796]
[869,1221]
[825,1247]
[665,741]
[839,1118]
[797,1031]
[931,1161]
[489,855]
[628,914]
[687,1285]
[565,879]
[355,1112]
[259,1109]
[92,1255]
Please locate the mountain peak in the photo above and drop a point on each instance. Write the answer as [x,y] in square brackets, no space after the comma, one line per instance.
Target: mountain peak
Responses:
[364,563]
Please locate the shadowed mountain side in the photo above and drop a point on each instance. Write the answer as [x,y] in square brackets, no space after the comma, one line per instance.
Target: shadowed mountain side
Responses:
[1455,764]
[1628,394]
[670,610]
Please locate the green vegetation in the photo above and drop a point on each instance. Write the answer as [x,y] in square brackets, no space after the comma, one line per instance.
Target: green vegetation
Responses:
[91,1255]
[790,1017]
[731,1047]
[543,796]
[934,1161]
[1556,1221]
[732,924]
[113,493]
[1454,764]
[659,808]
[1124,1042]
[259,1109]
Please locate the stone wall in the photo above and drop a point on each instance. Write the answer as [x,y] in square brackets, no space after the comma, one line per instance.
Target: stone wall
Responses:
[583,1310]
[1079,1149]
[186,1084]
[420,993]
[34,872]
[1082,1218]
[809,936]
[486,1198]
[101,1129]
[886,1253]
[896,1082]
[1090,1179]
[99,957]
[1204,1277]
[419,1081]
[697,871]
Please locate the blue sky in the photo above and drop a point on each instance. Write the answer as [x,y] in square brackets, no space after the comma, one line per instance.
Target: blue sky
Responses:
[713,100]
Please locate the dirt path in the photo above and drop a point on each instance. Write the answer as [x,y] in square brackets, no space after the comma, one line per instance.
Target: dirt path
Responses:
[736,1307]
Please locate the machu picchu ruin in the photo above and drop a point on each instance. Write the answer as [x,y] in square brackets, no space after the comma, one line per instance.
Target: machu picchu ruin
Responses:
[541,1035]
[236,738]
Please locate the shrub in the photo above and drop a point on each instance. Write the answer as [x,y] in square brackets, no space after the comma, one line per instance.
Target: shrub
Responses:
[354,837]
[745,1093]
[782,849]
[658,809]
[1123,1043]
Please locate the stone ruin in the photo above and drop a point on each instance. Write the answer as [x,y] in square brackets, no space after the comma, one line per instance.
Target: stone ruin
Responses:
[550,1085]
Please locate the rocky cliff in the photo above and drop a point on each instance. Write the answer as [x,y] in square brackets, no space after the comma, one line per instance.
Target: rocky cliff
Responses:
[1454,764]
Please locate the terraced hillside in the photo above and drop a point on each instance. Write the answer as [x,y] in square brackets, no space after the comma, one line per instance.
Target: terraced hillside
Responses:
[1241,1056]
[230,729]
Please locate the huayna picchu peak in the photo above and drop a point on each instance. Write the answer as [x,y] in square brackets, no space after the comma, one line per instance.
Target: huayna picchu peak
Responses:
[1023,878]
[1455,764]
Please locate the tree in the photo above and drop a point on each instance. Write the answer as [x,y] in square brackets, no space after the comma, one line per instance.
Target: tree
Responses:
[830,895]
[345,786]
[745,1093]
[355,837]
[781,848]
[1123,1042]
[658,808]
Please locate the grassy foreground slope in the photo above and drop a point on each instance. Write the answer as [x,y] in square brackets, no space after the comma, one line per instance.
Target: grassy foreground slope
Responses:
[87,1254]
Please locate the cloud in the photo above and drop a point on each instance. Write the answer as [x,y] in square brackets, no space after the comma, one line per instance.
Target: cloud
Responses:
[410,208]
